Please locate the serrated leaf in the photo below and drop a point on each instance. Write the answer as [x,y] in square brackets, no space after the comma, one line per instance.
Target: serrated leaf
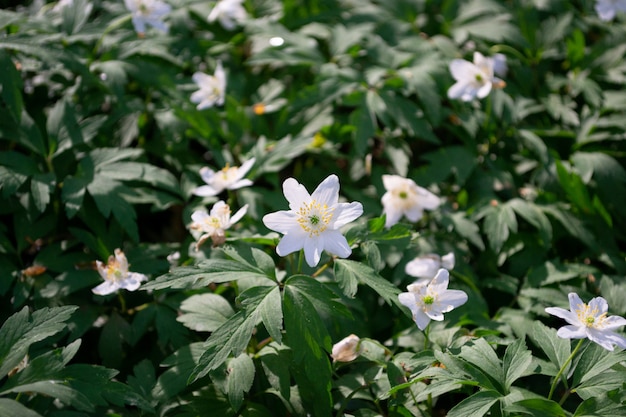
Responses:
[516,361]
[537,407]
[23,329]
[595,360]
[465,228]
[240,378]
[481,355]
[181,363]
[556,349]
[476,405]
[600,407]
[498,224]
[275,360]
[533,215]
[11,91]
[347,270]
[205,312]
[599,385]
[12,408]
[254,258]
[266,301]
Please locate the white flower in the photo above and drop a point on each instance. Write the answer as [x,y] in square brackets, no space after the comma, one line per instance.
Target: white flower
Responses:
[427,266]
[500,67]
[590,321]
[228,178]
[347,349]
[314,220]
[475,79]
[116,275]
[428,301]
[607,9]
[405,198]
[228,12]
[148,12]
[212,88]
[213,225]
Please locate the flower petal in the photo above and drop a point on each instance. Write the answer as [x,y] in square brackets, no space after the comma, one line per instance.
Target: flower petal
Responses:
[295,193]
[280,221]
[245,167]
[599,305]
[346,212]
[421,319]
[422,267]
[205,191]
[575,303]
[328,191]
[451,299]
[447,261]
[567,315]
[439,284]
[462,69]
[240,213]
[106,288]
[613,322]
[240,184]
[313,248]
[571,332]
[336,244]
[290,243]
[427,200]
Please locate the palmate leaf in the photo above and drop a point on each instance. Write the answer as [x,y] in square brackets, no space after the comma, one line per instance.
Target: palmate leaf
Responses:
[23,329]
[481,355]
[476,405]
[499,222]
[517,359]
[556,349]
[205,312]
[235,378]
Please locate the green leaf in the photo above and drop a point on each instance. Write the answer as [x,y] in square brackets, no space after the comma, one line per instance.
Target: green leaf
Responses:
[205,312]
[350,271]
[253,258]
[499,222]
[235,378]
[595,360]
[600,407]
[465,228]
[457,160]
[533,215]
[599,385]
[476,405]
[574,188]
[12,408]
[11,91]
[181,365]
[517,359]
[275,359]
[481,355]
[267,302]
[23,329]
[556,349]
[537,407]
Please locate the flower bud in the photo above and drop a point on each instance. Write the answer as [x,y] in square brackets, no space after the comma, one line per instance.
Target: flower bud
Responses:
[347,349]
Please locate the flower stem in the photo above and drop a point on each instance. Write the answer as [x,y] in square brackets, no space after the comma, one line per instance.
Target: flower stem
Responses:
[426,338]
[122,301]
[320,270]
[567,361]
[300,257]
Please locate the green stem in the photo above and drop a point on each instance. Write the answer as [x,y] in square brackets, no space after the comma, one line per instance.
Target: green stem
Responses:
[300,258]
[122,301]
[567,361]
[320,270]
[426,338]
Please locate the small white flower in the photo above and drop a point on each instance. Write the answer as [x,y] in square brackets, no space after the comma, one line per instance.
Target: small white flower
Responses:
[607,9]
[228,178]
[427,266]
[212,88]
[590,321]
[405,198]
[347,349]
[215,224]
[428,301]
[229,13]
[148,12]
[475,79]
[313,221]
[116,275]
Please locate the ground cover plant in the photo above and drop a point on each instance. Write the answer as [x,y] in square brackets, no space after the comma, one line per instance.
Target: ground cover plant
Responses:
[319,207]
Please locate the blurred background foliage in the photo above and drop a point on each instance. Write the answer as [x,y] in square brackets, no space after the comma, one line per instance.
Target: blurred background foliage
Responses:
[100,148]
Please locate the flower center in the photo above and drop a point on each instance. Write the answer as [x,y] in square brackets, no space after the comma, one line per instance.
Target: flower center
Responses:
[428,300]
[479,78]
[590,318]
[314,217]
[403,195]
[114,273]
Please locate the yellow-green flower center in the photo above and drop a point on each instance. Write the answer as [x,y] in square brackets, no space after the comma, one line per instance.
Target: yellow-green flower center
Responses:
[314,217]
[403,194]
[479,78]
[590,317]
[429,299]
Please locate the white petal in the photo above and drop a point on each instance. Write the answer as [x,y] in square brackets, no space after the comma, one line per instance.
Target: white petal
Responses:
[328,191]
[220,75]
[107,287]
[219,208]
[295,193]
[313,248]
[572,332]
[240,213]
[428,200]
[414,213]
[199,216]
[392,215]
[280,221]
[407,299]
[422,267]
[439,284]
[462,90]
[336,244]
[462,69]
[245,167]
[391,182]
[240,184]
[613,322]
[434,314]
[205,191]
[567,315]
[290,243]
[447,261]
[484,90]
[451,299]
[575,303]
[604,339]
[421,319]
[346,212]
[598,304]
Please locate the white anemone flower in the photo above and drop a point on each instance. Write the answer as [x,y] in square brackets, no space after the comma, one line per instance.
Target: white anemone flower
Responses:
[427,266]
[607,9]
[590,321]
[214,224]
[475,80]
[228,178]
[116,275]
[148,12]
[313,221]
[405,198]
[347,349]
[229,13]
[212,88]
[428,301]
